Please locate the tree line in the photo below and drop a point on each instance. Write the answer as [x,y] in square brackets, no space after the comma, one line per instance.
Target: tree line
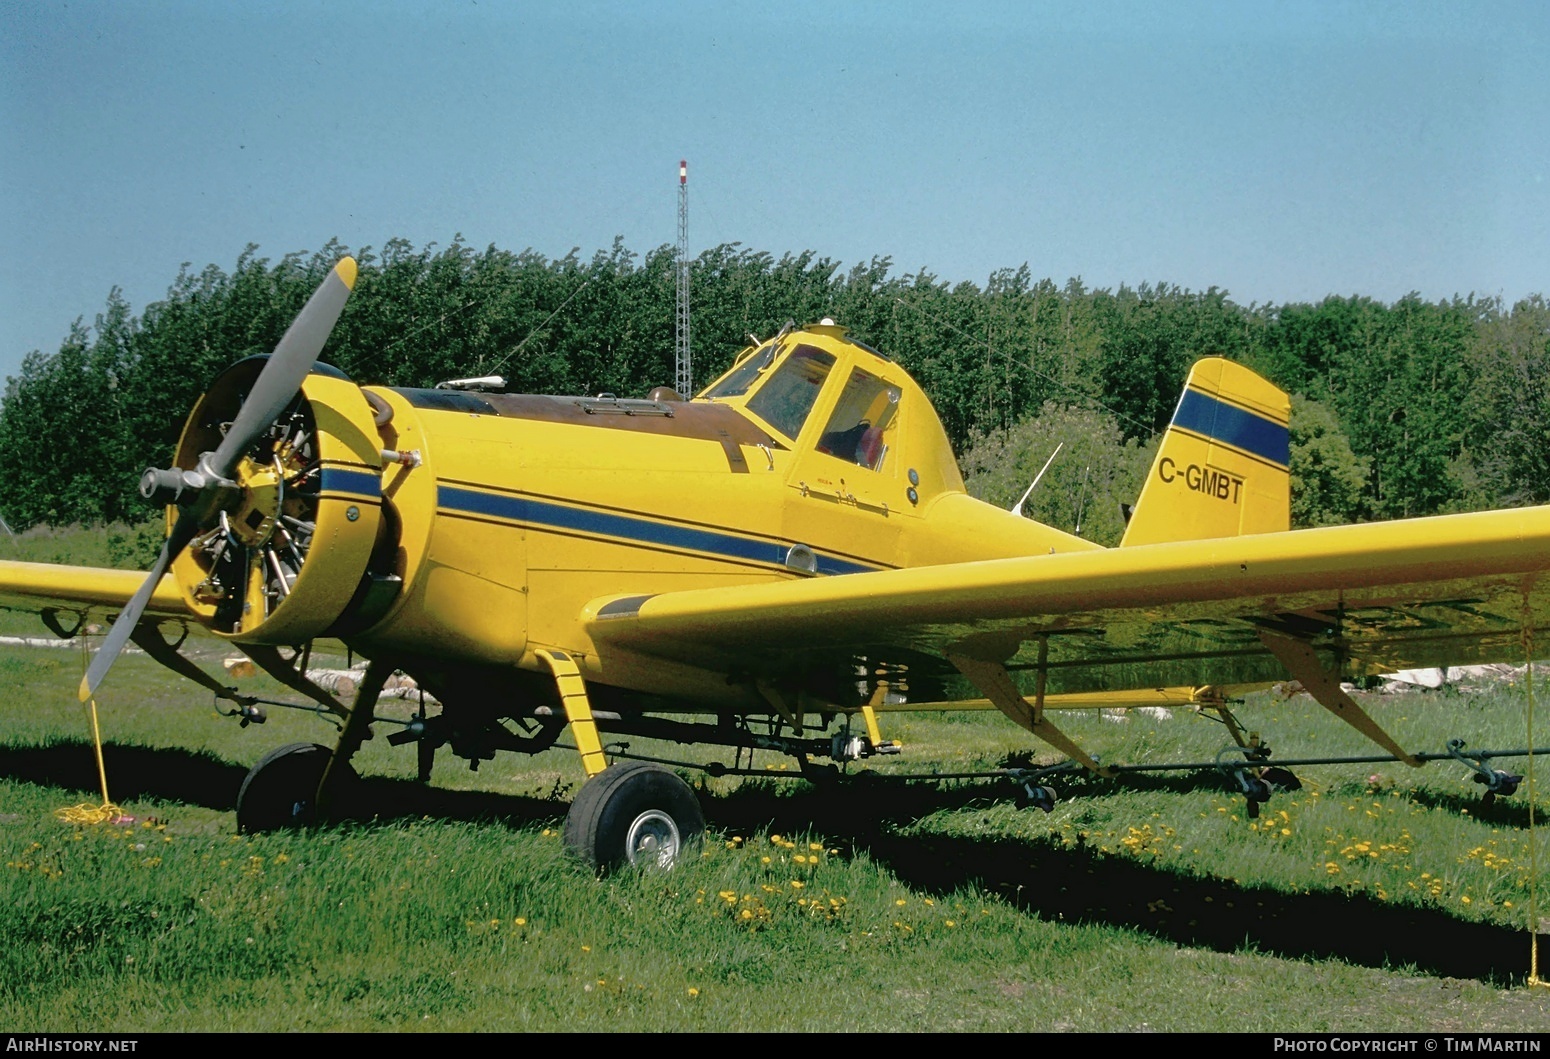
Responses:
[1403,409]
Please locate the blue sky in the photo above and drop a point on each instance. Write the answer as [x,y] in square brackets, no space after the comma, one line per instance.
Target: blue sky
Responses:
[1279,151]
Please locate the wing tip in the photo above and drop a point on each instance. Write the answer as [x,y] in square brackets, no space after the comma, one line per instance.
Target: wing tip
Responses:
[346,270]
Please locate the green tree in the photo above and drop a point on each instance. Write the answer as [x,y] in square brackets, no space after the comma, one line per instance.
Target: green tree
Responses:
[1506,415]
[1327,478]
[1096,471]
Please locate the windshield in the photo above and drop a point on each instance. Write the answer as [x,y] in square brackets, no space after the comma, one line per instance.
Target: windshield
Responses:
[786,397]
[735,383]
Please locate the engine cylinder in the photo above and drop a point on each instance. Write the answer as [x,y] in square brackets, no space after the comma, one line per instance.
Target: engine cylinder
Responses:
[288,560]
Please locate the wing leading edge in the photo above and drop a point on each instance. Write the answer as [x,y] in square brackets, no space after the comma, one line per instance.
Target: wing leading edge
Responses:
[36,587]
[1369,598]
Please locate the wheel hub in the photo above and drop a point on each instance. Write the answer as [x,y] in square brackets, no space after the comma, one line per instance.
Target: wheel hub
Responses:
[653,840]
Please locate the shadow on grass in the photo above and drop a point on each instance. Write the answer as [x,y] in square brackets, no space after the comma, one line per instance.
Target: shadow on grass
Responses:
[135,773]
[1055,883]
[1082,886]
[201,778]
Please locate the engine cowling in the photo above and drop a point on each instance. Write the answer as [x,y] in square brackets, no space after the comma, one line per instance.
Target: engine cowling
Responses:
[288,560]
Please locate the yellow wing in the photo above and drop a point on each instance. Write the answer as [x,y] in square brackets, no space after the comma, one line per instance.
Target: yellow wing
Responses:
[1368,598]
[82,591]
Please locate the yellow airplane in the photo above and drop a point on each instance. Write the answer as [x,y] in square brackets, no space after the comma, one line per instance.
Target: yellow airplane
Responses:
[769,565]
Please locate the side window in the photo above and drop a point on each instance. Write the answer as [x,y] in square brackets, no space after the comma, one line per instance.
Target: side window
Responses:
[855,431]
[786,397]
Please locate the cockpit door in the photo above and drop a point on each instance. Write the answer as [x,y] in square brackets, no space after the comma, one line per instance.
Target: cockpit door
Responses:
[845,471]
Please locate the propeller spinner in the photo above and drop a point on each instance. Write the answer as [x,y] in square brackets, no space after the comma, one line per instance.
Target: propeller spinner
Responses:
[208,491]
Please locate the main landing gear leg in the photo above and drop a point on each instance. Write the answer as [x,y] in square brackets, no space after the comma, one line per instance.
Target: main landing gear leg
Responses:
[297,784]
[633,813]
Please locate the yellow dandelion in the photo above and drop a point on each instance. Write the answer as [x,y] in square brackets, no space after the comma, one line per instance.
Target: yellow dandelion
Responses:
[797,884]
[815,845]
[520,921]
[1465,899]
[746,913]
[1286,831]
[900,902]
[764,860]
[586,948]
[693,991]
[951,923]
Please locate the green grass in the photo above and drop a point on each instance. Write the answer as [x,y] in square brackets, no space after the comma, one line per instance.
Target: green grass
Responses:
[118,544]
[1153,903]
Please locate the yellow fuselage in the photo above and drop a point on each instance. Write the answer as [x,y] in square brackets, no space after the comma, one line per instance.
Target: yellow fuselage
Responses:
[523,509]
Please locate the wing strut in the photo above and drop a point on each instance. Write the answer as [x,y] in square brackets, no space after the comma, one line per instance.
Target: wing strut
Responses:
[996,684]
[293,676]
[1302,662]
[772,695]
[147,636]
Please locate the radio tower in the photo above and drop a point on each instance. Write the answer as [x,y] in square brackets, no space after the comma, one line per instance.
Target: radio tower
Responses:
[685,380]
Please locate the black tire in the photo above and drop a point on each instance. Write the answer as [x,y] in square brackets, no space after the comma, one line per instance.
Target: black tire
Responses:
[634,813]
[281,790]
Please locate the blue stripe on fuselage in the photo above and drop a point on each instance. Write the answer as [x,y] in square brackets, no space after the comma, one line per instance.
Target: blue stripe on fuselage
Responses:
[534,512]
[339,480]
[1220,421]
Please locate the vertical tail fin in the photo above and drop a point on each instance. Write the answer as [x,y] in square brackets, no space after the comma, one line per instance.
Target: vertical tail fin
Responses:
[1223,467]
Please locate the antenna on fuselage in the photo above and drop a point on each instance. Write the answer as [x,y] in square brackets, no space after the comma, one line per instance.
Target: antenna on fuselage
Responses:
[1081,502]
[483,382]
[1017,508]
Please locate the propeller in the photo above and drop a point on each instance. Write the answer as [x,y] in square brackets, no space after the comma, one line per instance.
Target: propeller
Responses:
[204,492]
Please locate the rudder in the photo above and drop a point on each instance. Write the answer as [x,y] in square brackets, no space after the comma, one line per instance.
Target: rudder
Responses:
[1223,469]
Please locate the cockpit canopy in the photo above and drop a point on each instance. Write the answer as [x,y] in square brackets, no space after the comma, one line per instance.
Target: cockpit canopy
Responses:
[785,389]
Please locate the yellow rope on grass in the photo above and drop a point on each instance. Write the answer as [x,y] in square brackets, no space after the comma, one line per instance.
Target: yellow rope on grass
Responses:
[86,813]
[1533,794]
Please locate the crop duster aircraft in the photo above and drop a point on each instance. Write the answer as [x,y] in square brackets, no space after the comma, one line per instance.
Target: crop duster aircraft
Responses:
[770,565]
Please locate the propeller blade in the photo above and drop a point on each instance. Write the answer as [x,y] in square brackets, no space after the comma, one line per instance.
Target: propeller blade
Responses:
[288,366]
[124,625]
